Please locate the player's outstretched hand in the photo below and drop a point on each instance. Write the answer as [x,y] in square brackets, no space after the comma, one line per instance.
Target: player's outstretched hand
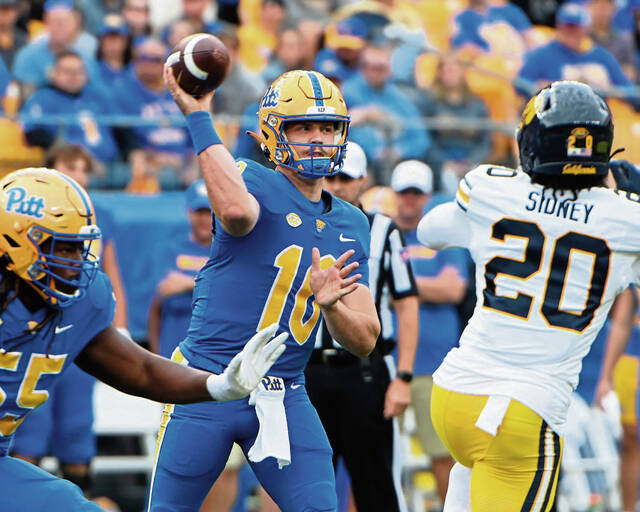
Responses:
[626,175]
[247,368]
[184,100]
[330,284]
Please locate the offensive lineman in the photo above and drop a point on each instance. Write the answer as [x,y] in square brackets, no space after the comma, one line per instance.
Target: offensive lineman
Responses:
[56,306]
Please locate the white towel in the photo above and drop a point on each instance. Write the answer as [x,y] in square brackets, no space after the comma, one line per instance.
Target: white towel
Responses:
[273,434]
[493,413]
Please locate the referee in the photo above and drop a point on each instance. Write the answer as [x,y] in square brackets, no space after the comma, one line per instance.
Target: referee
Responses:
[357,399]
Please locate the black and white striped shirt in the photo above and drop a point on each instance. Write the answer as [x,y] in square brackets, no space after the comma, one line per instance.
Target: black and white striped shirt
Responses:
[390,276]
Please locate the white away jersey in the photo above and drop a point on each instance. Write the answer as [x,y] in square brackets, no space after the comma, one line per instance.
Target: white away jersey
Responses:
[548,267]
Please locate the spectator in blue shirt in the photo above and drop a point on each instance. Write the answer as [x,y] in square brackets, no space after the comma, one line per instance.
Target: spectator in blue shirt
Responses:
[625,18]
[195,11]
[492,28]
[138,17]
[63,32]
[384,121]
[5,78]
[113,56]
[69,96]
[12,38]
[344,42]
[572,56]
[455,148]
[170,310]
[620,44]
[155,147]
[287,56]
[441,279]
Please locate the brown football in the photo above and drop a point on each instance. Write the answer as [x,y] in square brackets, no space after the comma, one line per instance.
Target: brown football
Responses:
[200,63]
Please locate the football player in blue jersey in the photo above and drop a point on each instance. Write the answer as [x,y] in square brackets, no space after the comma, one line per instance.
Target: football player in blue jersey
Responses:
[56,306]
[279,255]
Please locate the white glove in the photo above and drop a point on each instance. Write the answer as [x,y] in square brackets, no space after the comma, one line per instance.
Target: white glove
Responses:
[247,368]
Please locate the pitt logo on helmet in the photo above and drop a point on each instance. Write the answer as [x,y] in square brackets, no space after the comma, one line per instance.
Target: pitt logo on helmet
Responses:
[271,97]
[18,202]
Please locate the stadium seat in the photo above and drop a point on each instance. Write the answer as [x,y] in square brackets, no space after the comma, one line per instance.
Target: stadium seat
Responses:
[539,35]
[425,69]
[627,123]
[489,77]
[14,151]
[437,18]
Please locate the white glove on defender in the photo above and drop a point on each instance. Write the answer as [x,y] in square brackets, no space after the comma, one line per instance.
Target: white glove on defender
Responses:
[247,368]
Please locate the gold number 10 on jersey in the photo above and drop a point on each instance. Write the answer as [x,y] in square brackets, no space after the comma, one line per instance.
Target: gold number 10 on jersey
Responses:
[288,263]
[564,248]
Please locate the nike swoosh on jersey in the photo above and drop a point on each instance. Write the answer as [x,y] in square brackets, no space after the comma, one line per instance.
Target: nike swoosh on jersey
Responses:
[62,329]
[343,238]
[295,386]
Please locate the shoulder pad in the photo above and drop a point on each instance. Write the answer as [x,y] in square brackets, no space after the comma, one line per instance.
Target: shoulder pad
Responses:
[476,177]
[100,293]
[631,196]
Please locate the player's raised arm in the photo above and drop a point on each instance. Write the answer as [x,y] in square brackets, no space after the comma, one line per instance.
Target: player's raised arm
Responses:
[121,363]
[444,226]
[231,202]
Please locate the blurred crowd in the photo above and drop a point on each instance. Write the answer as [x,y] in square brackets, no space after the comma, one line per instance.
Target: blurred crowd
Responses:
[440,81]
[435,86]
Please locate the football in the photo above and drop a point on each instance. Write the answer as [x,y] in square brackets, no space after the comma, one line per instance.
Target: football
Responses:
[200,63]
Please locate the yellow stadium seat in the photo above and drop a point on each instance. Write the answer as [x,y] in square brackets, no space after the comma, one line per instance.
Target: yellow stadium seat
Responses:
[627,129]
[490,77]
[425,69]
[539,35]
[14,152]
[437,19]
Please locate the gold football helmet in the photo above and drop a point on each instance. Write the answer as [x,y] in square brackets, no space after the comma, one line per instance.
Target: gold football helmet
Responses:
[38,209]
[302,96]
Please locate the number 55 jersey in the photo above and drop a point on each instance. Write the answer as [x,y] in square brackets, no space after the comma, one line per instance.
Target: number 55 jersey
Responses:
[548,266]
[253,281]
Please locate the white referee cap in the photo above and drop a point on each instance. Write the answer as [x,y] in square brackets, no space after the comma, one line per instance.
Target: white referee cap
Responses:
[355,161]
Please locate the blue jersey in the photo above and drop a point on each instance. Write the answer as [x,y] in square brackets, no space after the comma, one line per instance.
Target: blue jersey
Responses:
[262,278]
[484,28]
[30,364]
[439,323]
[596,67]
[137,100]
[83,130]
[188,257]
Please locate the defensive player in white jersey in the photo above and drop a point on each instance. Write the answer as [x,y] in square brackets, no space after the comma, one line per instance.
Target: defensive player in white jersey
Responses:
[553,247]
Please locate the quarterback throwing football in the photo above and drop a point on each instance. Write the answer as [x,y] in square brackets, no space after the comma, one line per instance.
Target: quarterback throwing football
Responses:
[280,255]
